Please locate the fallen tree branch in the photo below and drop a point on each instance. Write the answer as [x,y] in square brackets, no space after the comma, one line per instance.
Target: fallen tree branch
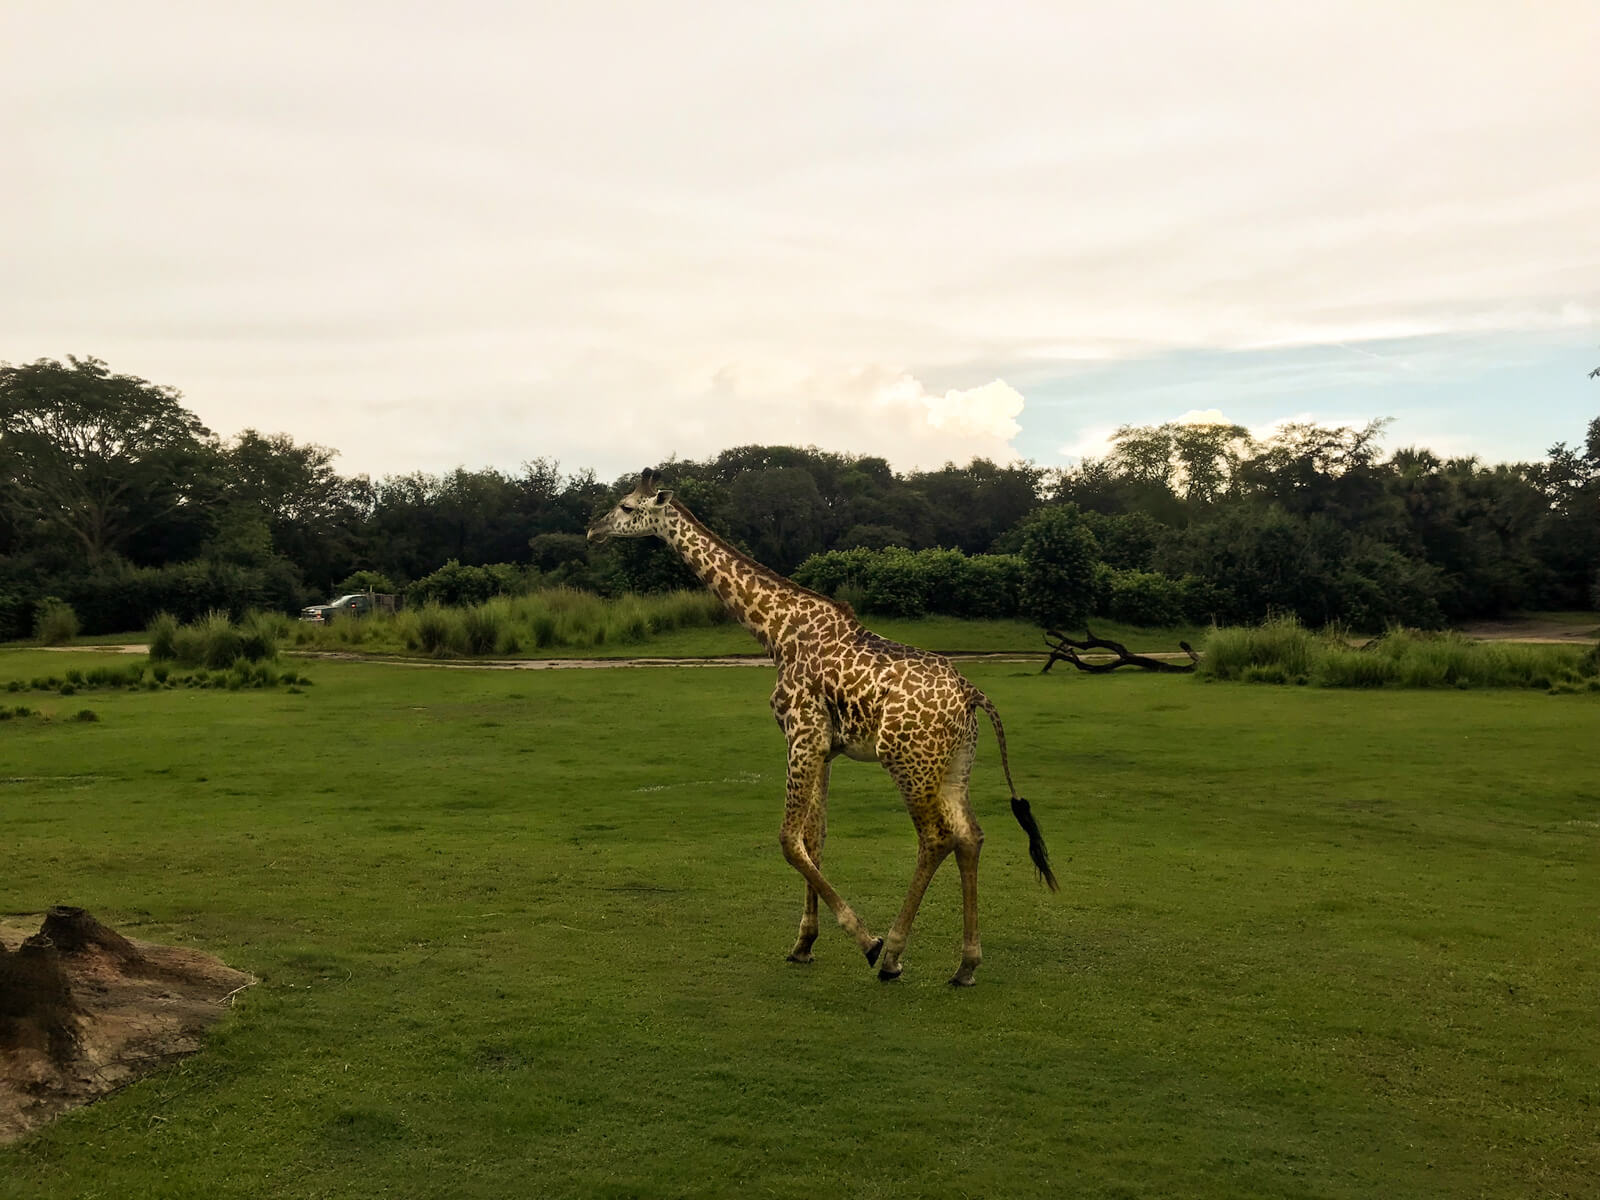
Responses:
[1065,649]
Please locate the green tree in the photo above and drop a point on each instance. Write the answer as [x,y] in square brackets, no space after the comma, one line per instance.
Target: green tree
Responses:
[97,458]
[778,513]
[311,514]
[1208,457]
[1059,553]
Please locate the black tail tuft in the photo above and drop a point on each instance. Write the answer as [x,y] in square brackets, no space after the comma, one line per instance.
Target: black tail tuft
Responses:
[1036,850]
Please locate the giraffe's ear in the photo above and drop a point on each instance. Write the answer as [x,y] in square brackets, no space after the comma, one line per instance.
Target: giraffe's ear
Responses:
[663,496]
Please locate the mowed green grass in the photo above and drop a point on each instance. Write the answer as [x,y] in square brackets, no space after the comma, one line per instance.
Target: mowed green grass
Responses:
[523,934]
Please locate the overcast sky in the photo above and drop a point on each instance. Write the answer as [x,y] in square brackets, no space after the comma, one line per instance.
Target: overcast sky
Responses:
[481,233]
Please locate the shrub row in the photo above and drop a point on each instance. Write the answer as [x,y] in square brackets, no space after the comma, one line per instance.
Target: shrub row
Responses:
[121,597]
[897,582]
[1281,650]
[910,583]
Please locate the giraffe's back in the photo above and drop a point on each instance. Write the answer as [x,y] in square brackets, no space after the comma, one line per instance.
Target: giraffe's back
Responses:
[884,700]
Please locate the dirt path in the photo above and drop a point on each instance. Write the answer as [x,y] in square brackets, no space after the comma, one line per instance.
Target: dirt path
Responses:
[1523,629]
[1536,629]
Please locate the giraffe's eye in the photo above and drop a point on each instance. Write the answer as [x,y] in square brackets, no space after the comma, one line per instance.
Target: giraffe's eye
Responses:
[627,508]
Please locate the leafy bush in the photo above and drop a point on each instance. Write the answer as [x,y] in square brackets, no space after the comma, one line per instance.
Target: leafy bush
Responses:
[54,622]
[827,573]
[991,587]
[905,583]
[894,585]
[456,585]
[1144,598]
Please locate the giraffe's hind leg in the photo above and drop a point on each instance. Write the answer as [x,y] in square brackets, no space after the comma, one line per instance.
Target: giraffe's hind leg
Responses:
[968,834]
[930,853]
[937,802]
[971,951]
[922,782]
[808,764]
[815,833]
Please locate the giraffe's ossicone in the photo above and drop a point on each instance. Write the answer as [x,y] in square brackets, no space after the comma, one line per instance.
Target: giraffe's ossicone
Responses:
[844,690]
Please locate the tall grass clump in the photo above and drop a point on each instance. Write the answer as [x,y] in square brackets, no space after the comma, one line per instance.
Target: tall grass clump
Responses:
[259,634]
[552,619]
[222,640]
[55,623]
[162,634]
[434,626]
[214,641]
[1279,650]
[1452,660]
[478,629]
[1339,666]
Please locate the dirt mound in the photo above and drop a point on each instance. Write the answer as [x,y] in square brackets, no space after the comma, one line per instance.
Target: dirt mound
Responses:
[84,1011]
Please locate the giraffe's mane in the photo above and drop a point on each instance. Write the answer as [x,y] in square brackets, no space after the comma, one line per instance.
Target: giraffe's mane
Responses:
[760,569]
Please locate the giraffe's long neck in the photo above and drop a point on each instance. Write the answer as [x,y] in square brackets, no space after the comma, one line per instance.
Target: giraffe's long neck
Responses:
[760,599]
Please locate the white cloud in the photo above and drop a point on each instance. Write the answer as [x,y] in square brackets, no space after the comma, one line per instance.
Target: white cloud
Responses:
[865,410]
[512,233]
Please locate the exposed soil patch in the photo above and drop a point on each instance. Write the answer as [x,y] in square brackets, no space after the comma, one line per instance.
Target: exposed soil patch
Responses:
[85,1011]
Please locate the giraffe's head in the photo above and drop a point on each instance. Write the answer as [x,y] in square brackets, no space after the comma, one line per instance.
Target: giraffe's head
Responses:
[641,513]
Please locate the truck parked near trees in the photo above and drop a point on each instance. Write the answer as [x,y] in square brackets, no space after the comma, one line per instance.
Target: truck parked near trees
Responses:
[354,605]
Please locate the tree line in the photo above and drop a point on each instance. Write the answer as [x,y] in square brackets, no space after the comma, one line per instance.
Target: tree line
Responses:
[115,498]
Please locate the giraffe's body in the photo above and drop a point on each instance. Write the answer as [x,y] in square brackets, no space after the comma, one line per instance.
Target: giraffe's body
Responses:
[842,689]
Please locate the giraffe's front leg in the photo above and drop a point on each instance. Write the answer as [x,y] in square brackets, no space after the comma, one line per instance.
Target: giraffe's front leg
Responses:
[808,768]
[815,833]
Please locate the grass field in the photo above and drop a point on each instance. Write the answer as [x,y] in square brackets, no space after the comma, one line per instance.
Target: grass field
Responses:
[523,934]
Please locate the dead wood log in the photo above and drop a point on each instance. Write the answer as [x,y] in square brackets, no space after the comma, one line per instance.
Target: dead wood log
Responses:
[1065,649]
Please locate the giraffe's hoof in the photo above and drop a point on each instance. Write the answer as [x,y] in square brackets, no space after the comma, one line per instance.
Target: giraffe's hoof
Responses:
[873,951]
[803,959]
[962,981]
[888,976]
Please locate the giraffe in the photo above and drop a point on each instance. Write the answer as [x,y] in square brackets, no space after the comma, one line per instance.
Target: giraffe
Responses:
[842,689]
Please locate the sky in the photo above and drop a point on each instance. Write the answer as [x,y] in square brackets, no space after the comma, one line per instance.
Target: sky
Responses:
[607,234]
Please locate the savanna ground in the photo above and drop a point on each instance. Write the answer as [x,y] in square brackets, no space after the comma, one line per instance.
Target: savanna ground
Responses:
[524,934]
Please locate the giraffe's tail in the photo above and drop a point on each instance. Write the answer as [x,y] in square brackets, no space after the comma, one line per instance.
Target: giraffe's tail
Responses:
[1019,806]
